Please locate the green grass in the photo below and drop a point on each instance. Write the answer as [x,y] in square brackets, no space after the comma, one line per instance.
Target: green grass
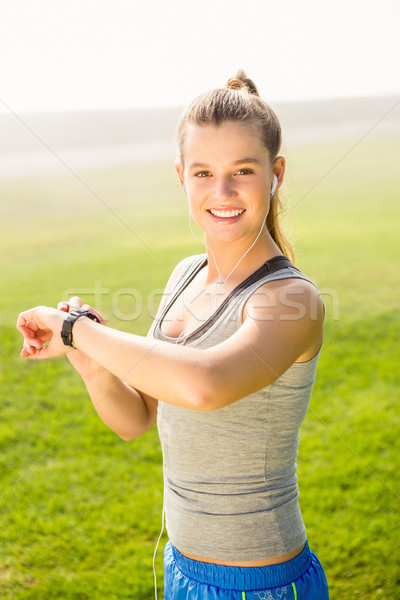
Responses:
[80,510]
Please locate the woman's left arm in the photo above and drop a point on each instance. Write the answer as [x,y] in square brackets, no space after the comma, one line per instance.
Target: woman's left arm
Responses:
[275,332]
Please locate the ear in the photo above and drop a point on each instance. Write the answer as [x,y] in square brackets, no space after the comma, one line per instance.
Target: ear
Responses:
[179,169]
[279,169]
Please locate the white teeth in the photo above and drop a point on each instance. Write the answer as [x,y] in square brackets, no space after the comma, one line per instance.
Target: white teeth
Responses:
[227,213]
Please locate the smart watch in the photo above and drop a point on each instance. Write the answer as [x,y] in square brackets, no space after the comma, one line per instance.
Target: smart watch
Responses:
[66,331]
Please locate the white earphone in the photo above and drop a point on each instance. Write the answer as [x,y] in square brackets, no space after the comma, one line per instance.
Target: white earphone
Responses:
[274,184]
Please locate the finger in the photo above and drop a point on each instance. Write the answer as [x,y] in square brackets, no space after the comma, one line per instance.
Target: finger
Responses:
[24,318]
[39,340]
[28,323]
[75,302]
[30,347]
[44,336]
[45,352]
[32,325]
[33,343]
[26,351]
[34,335]
[64,306]
[98,315]
[29,332]
[32,352]
[26,331]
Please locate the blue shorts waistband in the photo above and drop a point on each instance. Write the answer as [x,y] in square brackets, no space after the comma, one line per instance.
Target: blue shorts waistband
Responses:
[244,578]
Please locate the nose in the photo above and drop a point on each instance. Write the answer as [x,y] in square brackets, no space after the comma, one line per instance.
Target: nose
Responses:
[223,188]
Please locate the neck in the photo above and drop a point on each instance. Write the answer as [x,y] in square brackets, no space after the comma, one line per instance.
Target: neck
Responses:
[235,261]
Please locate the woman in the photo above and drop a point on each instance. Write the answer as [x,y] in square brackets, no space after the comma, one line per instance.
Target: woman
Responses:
[226,370]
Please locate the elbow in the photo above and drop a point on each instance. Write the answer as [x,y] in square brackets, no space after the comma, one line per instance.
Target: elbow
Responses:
[208,394]
[209,403]
[135,432]
[125,434]
[201,401]
[126,438]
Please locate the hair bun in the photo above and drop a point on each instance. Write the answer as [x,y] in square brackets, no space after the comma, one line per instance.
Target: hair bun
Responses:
[235,84]
[240,80]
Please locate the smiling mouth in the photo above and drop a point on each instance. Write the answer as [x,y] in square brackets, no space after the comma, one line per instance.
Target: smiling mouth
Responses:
[226,214]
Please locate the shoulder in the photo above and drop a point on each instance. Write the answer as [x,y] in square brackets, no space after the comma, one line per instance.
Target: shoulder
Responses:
[180,270]
[183,267]
[283,324]
[290,309]
[292,298]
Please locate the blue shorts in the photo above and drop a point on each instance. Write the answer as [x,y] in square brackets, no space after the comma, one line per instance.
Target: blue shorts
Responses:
[301,578]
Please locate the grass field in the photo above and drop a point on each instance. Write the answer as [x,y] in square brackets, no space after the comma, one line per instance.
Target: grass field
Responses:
[80,510]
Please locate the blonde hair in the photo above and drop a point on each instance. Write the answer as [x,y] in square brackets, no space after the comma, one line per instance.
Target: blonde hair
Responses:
[239,101]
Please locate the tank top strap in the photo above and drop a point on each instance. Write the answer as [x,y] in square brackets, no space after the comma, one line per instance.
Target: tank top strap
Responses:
[191,266]
[230,310]
[283,271]
[278,267]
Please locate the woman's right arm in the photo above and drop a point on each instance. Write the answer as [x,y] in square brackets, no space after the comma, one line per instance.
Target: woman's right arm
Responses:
[124,409]
[121,407]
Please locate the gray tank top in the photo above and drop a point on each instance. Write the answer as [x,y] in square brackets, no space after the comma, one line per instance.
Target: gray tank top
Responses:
[230,475]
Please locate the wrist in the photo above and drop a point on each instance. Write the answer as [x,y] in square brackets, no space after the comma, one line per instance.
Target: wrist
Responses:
[70,321]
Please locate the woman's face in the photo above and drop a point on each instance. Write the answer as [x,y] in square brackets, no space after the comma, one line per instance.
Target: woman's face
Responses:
[228,178]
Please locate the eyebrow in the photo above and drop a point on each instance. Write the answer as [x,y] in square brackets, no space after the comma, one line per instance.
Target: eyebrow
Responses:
[241,161]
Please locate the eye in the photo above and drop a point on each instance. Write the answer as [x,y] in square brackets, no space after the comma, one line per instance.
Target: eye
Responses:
[245,172]
[202,174]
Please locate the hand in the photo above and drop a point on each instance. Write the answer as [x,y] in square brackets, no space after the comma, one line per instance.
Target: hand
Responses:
[85,366]
[76,302]
[41,328]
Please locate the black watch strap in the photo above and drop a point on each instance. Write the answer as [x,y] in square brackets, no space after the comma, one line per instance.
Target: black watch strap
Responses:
[66,331]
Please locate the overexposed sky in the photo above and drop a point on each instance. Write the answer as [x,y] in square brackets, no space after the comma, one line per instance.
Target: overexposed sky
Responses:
[108,54]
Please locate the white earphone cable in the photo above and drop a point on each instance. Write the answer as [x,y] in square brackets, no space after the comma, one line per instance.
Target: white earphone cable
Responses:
[159,414]
[156,548]
[184,339]
[179,338]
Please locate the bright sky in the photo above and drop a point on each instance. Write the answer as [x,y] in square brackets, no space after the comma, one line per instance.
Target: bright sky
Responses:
[107,54]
